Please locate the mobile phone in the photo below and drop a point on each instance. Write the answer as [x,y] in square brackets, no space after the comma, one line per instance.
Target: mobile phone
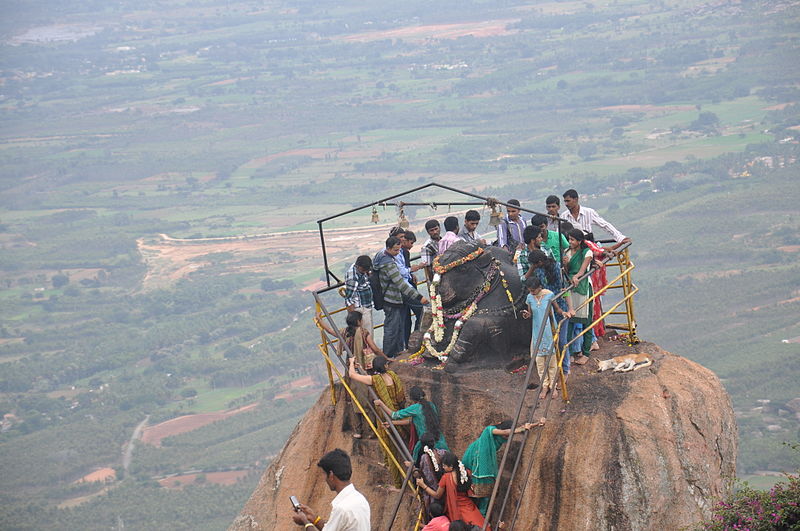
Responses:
[295,503]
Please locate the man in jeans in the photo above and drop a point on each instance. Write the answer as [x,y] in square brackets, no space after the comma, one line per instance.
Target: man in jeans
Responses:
[394,288]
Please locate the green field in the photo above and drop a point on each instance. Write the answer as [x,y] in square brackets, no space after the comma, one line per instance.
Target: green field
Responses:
[225,119]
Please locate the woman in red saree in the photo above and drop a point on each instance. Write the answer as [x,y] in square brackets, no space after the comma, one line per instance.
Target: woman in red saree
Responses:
[599,282]
[455,488]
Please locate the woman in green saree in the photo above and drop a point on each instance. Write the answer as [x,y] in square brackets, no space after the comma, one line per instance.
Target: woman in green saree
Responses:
[389,388]
[577,260]
[481,458]
[423,414]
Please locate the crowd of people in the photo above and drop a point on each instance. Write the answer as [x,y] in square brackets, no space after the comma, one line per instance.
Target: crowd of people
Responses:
[551,253]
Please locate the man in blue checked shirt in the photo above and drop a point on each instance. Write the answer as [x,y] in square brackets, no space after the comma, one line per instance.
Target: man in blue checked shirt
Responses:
[357,291]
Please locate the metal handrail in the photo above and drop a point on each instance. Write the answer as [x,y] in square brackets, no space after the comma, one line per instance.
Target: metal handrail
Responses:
[517,459]
[395,436]
[549,314]
[373,396]
[484,200]
[524,391]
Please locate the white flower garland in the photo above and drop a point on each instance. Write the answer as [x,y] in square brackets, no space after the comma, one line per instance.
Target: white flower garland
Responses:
[462,470]
[434,462]
[437,309]
[438,320]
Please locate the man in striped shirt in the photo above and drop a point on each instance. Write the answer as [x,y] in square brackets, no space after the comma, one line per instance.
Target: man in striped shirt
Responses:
[431,247]
[583,218]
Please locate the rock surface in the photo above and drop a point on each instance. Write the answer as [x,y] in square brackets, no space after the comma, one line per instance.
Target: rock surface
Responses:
[650,449]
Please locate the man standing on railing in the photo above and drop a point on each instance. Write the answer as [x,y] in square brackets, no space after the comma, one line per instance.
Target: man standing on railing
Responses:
[357,291]
[584,217]
[394,288]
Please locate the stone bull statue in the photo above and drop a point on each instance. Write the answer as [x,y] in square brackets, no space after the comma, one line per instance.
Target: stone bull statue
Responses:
[473,284]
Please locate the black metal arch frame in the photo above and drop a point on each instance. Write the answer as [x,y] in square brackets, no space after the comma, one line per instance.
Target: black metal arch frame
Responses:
[484,201]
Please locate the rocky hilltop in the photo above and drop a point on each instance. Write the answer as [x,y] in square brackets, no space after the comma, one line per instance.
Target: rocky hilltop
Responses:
[649,449]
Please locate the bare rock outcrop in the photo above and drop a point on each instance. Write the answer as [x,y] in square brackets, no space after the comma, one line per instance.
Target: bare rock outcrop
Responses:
[650,449]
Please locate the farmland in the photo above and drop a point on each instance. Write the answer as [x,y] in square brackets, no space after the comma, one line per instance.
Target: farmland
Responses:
[164,163]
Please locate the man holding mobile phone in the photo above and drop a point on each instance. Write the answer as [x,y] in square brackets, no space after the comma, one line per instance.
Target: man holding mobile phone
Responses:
[350,508]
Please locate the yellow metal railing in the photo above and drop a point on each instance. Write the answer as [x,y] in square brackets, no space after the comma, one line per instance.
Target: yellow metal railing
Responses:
[629,289]
[621,281]
[327,342]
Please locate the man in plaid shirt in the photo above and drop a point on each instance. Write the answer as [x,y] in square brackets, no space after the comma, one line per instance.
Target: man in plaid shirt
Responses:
[357,291]
[431,247]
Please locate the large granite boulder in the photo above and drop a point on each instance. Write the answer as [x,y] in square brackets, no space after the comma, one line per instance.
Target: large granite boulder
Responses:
[650,449]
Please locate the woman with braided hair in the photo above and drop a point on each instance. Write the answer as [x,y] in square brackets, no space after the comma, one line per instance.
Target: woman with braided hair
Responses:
[388,386]
[456,488]
[429,465]
[364,351]
[423,415]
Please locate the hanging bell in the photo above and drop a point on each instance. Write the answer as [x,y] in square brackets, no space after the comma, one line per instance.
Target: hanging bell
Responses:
[496,217]
[375,218]
[402,220]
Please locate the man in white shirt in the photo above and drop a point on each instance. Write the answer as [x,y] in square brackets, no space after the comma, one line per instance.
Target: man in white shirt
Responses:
[584,217]
[350,508]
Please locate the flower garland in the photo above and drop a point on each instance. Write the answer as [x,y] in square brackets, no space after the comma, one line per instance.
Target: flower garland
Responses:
[437,328]
[442,269]
[434,461]
[462,470]
[461,318]
[436,299]
[436,308]
[505,286]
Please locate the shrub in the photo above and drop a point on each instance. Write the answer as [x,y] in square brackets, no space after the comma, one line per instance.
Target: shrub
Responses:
[756,510]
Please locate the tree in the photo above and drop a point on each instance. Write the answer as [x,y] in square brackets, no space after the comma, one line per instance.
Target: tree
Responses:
[706,121]
[189,392]
[59,280]
[587,150]
[237,351]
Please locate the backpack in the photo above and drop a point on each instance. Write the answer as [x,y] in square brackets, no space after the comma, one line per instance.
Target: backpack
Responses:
[377,289]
